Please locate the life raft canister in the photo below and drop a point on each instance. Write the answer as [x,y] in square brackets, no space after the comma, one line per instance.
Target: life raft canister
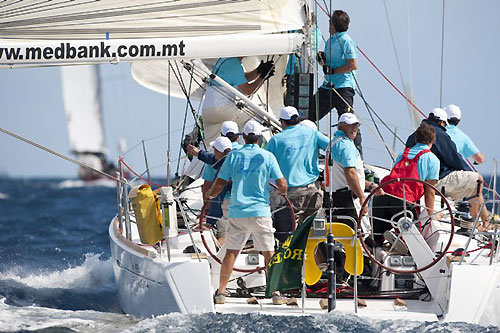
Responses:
[405,168]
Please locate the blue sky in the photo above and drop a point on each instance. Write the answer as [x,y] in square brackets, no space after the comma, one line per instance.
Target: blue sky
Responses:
[32,101]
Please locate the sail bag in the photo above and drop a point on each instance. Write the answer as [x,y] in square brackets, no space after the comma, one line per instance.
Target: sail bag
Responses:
[146,206]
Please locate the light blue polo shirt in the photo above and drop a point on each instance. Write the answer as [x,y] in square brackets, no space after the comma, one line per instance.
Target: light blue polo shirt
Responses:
[209,173]
[464,144]
[296,149]
[338,49]
[428,163]
[250,168]
[345,152]
[230,70]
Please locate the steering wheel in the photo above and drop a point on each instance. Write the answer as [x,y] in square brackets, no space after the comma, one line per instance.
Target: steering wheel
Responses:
[401,222]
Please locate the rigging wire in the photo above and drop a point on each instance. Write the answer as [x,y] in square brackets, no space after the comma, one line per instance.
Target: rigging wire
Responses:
[442,59]
[397,58]
[64,157]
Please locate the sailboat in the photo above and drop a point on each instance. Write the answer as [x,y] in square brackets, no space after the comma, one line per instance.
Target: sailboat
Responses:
[81,94]
[178,272]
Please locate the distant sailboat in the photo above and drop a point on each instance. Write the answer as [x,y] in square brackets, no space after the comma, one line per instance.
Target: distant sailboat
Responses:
[81,94]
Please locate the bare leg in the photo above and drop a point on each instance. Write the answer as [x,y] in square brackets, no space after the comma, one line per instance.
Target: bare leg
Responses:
[476,205]
[221,240]
[267,256]
[226,269]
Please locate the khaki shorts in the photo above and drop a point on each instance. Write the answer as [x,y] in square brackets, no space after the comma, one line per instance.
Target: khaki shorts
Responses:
[458,184]
[260,227]
[223,223]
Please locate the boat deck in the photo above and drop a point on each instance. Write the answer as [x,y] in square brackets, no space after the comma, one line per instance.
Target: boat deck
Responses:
[375,308]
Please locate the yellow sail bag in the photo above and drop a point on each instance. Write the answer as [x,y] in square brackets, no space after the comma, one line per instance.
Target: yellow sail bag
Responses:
[146,206]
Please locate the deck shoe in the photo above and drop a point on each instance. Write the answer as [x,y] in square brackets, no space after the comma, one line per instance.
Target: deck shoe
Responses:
[219,298]
[278,299]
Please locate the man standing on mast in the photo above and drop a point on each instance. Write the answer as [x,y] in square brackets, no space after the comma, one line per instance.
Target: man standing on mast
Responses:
[339,66]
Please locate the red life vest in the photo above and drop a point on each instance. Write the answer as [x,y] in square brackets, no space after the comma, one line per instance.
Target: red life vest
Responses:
[405,168]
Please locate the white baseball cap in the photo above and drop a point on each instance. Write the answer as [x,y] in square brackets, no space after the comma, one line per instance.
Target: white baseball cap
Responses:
[252,127]
[222,143]
[348,118]
[453,111]
[229,126]
[439,114]
[288,112]
[308,123]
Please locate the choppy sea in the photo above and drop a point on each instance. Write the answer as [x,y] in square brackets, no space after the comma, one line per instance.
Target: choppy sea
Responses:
[56,275]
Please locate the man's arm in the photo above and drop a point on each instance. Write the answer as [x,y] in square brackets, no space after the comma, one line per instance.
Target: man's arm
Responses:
[429,196]
[353,182]
[352,65]
[478,158]
[281,185]
[216,188]
[205,188]
[250,88]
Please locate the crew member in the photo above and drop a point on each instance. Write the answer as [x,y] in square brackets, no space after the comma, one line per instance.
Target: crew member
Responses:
[417,162]
[455,175]
[219,104]
[296,149]
[348,176]
[217,208]
[464,144]
[339,66]
[250,169]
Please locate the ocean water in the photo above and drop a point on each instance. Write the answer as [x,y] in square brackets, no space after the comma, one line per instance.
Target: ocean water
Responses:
[56,275]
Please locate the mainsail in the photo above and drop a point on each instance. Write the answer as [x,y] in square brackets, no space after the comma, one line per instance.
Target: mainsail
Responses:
[81,95]
[55,32]
[80,86]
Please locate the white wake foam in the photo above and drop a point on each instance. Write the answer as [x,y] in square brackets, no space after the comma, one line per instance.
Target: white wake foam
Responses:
[3,196]
[15,318]
[93,273]
[80,183]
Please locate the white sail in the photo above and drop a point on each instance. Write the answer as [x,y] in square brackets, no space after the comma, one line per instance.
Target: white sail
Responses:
[60,32]
[80,85]
[133,19]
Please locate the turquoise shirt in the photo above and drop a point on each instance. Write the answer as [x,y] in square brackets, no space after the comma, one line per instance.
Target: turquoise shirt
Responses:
[338,49]
[464,144]
[230,70]
[250,168]
[427,165]
[210,173]
[296,149]
[344,152]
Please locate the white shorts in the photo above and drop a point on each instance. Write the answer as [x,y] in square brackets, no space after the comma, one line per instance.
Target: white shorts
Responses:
[260,227]
[223,223]
[459,184]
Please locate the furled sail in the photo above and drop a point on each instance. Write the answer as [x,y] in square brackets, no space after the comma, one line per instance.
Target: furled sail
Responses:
[80,85]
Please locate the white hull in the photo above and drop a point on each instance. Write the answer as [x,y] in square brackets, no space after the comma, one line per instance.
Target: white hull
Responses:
[150,285]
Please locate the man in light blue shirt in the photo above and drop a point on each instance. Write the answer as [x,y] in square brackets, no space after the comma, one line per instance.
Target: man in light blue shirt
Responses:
[250,168]
[347,175]
[219,103]
[339,66]
[464,144]
[391,205]
[296,149]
